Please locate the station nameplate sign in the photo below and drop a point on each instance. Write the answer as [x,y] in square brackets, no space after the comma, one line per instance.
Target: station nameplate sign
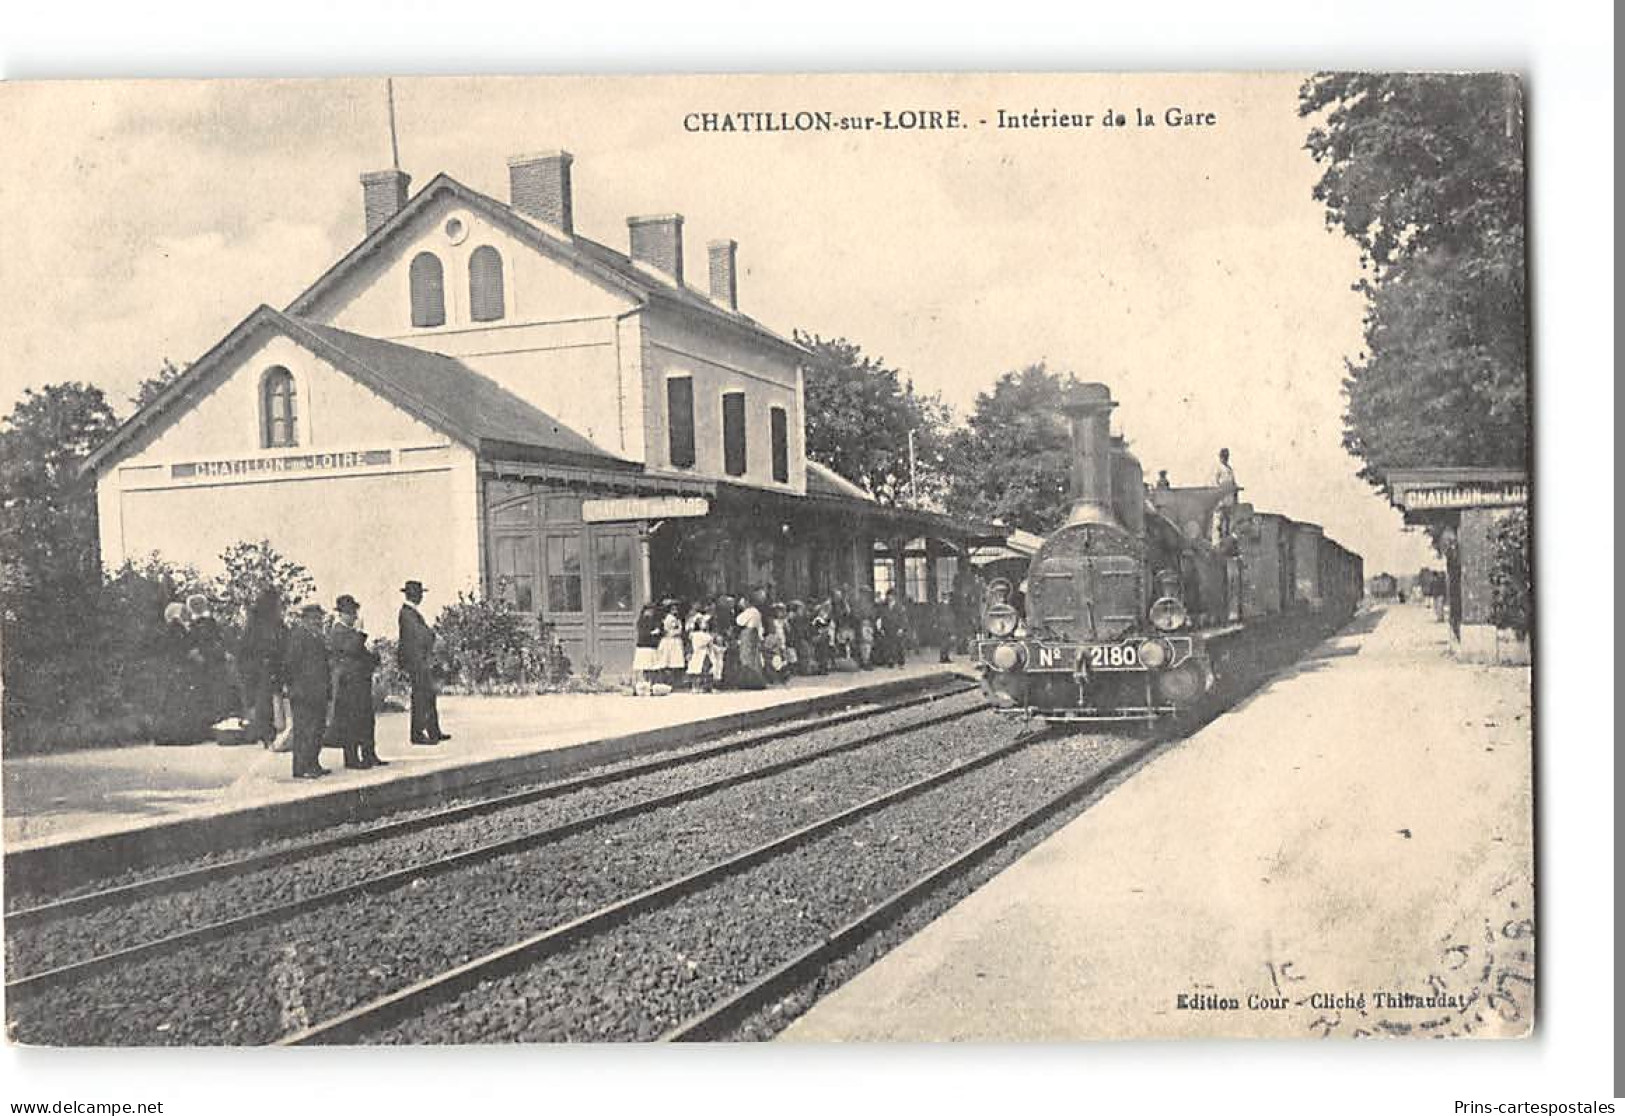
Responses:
[1438,498]
[644,507]
[293,463]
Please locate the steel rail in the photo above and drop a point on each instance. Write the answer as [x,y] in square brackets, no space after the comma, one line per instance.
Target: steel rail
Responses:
[209,873]
[71,972]
[415,998]
[722,1019]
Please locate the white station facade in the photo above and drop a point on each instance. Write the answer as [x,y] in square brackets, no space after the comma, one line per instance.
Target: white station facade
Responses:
[480,398]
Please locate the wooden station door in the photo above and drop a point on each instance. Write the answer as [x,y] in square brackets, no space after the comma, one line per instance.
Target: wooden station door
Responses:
[585,579]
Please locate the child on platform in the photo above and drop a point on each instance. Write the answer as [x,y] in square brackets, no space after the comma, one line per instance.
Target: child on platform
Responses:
[704,666]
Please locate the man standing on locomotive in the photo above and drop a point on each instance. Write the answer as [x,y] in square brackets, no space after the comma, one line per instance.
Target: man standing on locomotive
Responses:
[1224,477]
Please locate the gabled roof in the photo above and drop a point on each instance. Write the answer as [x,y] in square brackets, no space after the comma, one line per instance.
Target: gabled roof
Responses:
[439,390]
[587,256]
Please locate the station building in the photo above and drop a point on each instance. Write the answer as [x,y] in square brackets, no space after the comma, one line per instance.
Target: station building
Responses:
[479,397]
[1465,504]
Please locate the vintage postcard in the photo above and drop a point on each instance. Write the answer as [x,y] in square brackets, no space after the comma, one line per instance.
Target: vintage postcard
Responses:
[816,558]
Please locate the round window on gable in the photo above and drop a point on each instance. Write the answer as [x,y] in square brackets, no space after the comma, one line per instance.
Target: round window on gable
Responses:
[456,230]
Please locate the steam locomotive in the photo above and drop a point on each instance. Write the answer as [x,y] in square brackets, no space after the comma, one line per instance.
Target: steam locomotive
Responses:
[1134,599]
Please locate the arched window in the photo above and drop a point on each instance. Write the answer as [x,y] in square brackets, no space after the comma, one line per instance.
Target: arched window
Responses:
[279,409]
[428,290]
[485,285]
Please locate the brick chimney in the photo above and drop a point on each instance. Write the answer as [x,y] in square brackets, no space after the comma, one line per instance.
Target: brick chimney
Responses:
[658,242]
[539,187]
[383,193]
[724,272]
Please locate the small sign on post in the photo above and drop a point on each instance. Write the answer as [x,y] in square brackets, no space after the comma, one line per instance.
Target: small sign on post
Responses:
[644,507]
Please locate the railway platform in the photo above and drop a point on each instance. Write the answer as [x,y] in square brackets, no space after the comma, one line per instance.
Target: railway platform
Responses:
[1347,852]
[130,804]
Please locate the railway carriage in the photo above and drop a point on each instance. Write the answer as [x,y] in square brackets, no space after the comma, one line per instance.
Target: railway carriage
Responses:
[1132,601]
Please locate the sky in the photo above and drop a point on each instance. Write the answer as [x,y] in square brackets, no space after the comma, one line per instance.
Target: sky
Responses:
[1188,268]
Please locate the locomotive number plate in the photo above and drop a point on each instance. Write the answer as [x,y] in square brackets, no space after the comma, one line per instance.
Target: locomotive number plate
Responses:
[1114,656]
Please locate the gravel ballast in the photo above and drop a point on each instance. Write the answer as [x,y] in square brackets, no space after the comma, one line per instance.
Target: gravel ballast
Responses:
[33,948]
[643,978]
[256,986]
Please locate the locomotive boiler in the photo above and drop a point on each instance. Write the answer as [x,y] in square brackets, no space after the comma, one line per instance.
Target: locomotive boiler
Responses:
[1129,603]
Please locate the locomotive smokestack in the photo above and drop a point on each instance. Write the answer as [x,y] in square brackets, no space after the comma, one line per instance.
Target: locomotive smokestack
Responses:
[1089,410]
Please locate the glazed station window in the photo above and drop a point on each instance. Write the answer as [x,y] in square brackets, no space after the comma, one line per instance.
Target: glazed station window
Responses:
[279,409]
[515,569]
[428,281]
[781,445]
[564,573]
[485,301]
[733,433]
[680,420]
[613,562]
[914,573]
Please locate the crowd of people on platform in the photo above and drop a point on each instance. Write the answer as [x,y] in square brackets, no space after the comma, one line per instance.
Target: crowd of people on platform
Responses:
[752,640]
[297,688]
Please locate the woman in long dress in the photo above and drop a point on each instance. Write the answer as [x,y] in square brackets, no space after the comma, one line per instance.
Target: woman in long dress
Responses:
[749,627]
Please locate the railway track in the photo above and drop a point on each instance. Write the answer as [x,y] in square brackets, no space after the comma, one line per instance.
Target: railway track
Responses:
[393,955]
[294,851]
[357,1023]
[678,922]
[20,988]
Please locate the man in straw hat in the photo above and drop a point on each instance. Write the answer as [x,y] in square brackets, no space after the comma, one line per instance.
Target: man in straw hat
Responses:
[416,654]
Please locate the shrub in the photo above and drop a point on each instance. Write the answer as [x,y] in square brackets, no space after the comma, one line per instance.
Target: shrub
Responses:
[389,681]
[483,641]
[1511,593]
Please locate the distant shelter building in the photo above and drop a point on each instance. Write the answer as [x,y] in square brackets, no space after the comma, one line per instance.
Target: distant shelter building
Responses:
[1466,504]
[480,397]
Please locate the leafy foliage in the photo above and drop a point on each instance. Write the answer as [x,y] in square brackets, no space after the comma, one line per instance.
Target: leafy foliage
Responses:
[484,645]
[95,675]
[859,415]
[1013,460]
[47,510]
[252,567]
[156,384]
[1511,588]
[1425,173]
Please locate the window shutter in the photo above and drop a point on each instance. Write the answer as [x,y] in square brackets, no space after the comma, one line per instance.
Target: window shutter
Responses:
[485,295]
[733,433]
[680,420]
[428,281]
[781,445]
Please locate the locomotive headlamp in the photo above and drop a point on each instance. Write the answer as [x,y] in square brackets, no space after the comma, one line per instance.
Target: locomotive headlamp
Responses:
[1154,653]
[1007,656]
[1168,614]
[1001,620]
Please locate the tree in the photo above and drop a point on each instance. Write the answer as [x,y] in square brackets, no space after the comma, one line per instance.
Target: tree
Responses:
[48,543]
[251,568]
[1511,588]
[1425,173]
[155,385]
[1013,461]
[859,415]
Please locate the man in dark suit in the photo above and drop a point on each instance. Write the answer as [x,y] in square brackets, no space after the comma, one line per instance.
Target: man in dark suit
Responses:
[309,690]
[415,652]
